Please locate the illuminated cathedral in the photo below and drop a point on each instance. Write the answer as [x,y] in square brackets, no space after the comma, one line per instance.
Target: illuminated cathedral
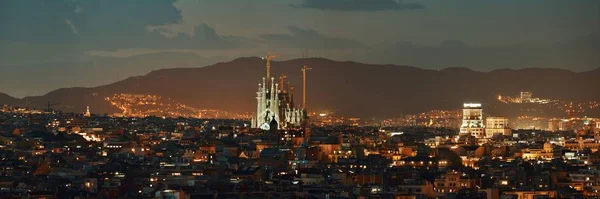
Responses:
[275,102]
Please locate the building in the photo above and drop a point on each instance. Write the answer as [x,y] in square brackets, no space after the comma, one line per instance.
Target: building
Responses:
[496,126]
[553,124]
[581,144]
[545,153]
[530,194]
[414,187]
[472,120]
[564,125]
[452,182]
[526,96]
[87,112]
[275,101]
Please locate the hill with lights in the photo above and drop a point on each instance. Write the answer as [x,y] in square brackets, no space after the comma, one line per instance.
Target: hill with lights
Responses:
[347,88]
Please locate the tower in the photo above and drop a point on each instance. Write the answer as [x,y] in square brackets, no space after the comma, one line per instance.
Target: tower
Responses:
[304,69]
[273,125]
[87,112]
[472,120]
[268,57]
[274,102]
[282,78]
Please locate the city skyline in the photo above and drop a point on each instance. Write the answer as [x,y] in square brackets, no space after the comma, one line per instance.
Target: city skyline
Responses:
[383,90]
[388,99]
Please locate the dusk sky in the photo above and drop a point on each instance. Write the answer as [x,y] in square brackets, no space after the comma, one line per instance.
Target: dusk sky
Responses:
[46,45]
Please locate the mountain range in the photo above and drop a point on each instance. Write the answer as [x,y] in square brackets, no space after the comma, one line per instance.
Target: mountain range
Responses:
[344,87]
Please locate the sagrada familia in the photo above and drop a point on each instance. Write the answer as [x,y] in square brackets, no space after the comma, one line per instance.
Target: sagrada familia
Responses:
[275,103]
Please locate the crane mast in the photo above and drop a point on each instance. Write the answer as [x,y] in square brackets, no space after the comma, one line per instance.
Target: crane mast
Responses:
[304,69]
[268,57]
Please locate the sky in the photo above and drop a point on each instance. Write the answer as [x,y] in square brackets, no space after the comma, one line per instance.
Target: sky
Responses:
[46,45]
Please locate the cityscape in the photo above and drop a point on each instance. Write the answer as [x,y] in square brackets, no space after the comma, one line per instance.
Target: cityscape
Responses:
[161,113]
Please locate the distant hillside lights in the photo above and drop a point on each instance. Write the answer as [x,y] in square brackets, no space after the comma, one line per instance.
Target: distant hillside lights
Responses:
[569,106]
[524,98]
[136,105]
[21,110]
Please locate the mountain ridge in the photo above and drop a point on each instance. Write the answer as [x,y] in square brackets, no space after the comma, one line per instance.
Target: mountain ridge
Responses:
[348,88]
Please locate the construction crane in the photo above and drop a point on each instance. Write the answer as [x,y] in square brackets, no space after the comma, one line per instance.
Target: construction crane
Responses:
[282,78]
[268,57]
[49,106]
[304,69]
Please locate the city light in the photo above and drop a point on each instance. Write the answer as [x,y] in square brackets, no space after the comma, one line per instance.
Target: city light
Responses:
[299,99]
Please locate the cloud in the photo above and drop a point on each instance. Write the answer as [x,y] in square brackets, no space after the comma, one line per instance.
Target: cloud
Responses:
[359,5]
[309,39]
[204,37]
[454,53]
[105,25]
[73,28]
[96,20]
[36,21]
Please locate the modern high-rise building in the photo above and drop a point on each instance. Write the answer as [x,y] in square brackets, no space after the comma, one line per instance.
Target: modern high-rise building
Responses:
[472,120]
[553,125]
[496,126]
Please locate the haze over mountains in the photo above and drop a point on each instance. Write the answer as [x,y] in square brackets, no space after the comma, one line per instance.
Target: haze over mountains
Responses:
[347,88]
[31,79]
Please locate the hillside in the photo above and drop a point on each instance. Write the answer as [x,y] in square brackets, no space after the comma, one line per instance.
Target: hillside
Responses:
[348,88]
[7,99]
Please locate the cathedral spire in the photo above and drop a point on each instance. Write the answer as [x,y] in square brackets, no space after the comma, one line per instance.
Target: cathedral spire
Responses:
[292,95]
[275,101]
[282,78]
[87,112]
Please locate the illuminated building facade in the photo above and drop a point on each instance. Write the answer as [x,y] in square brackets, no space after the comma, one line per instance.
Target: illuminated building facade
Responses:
[597,128]
[496,126]
[472,120]
[87,112]
[546,153]
[581,144]
[452,182]
[553,125]
[276,102]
